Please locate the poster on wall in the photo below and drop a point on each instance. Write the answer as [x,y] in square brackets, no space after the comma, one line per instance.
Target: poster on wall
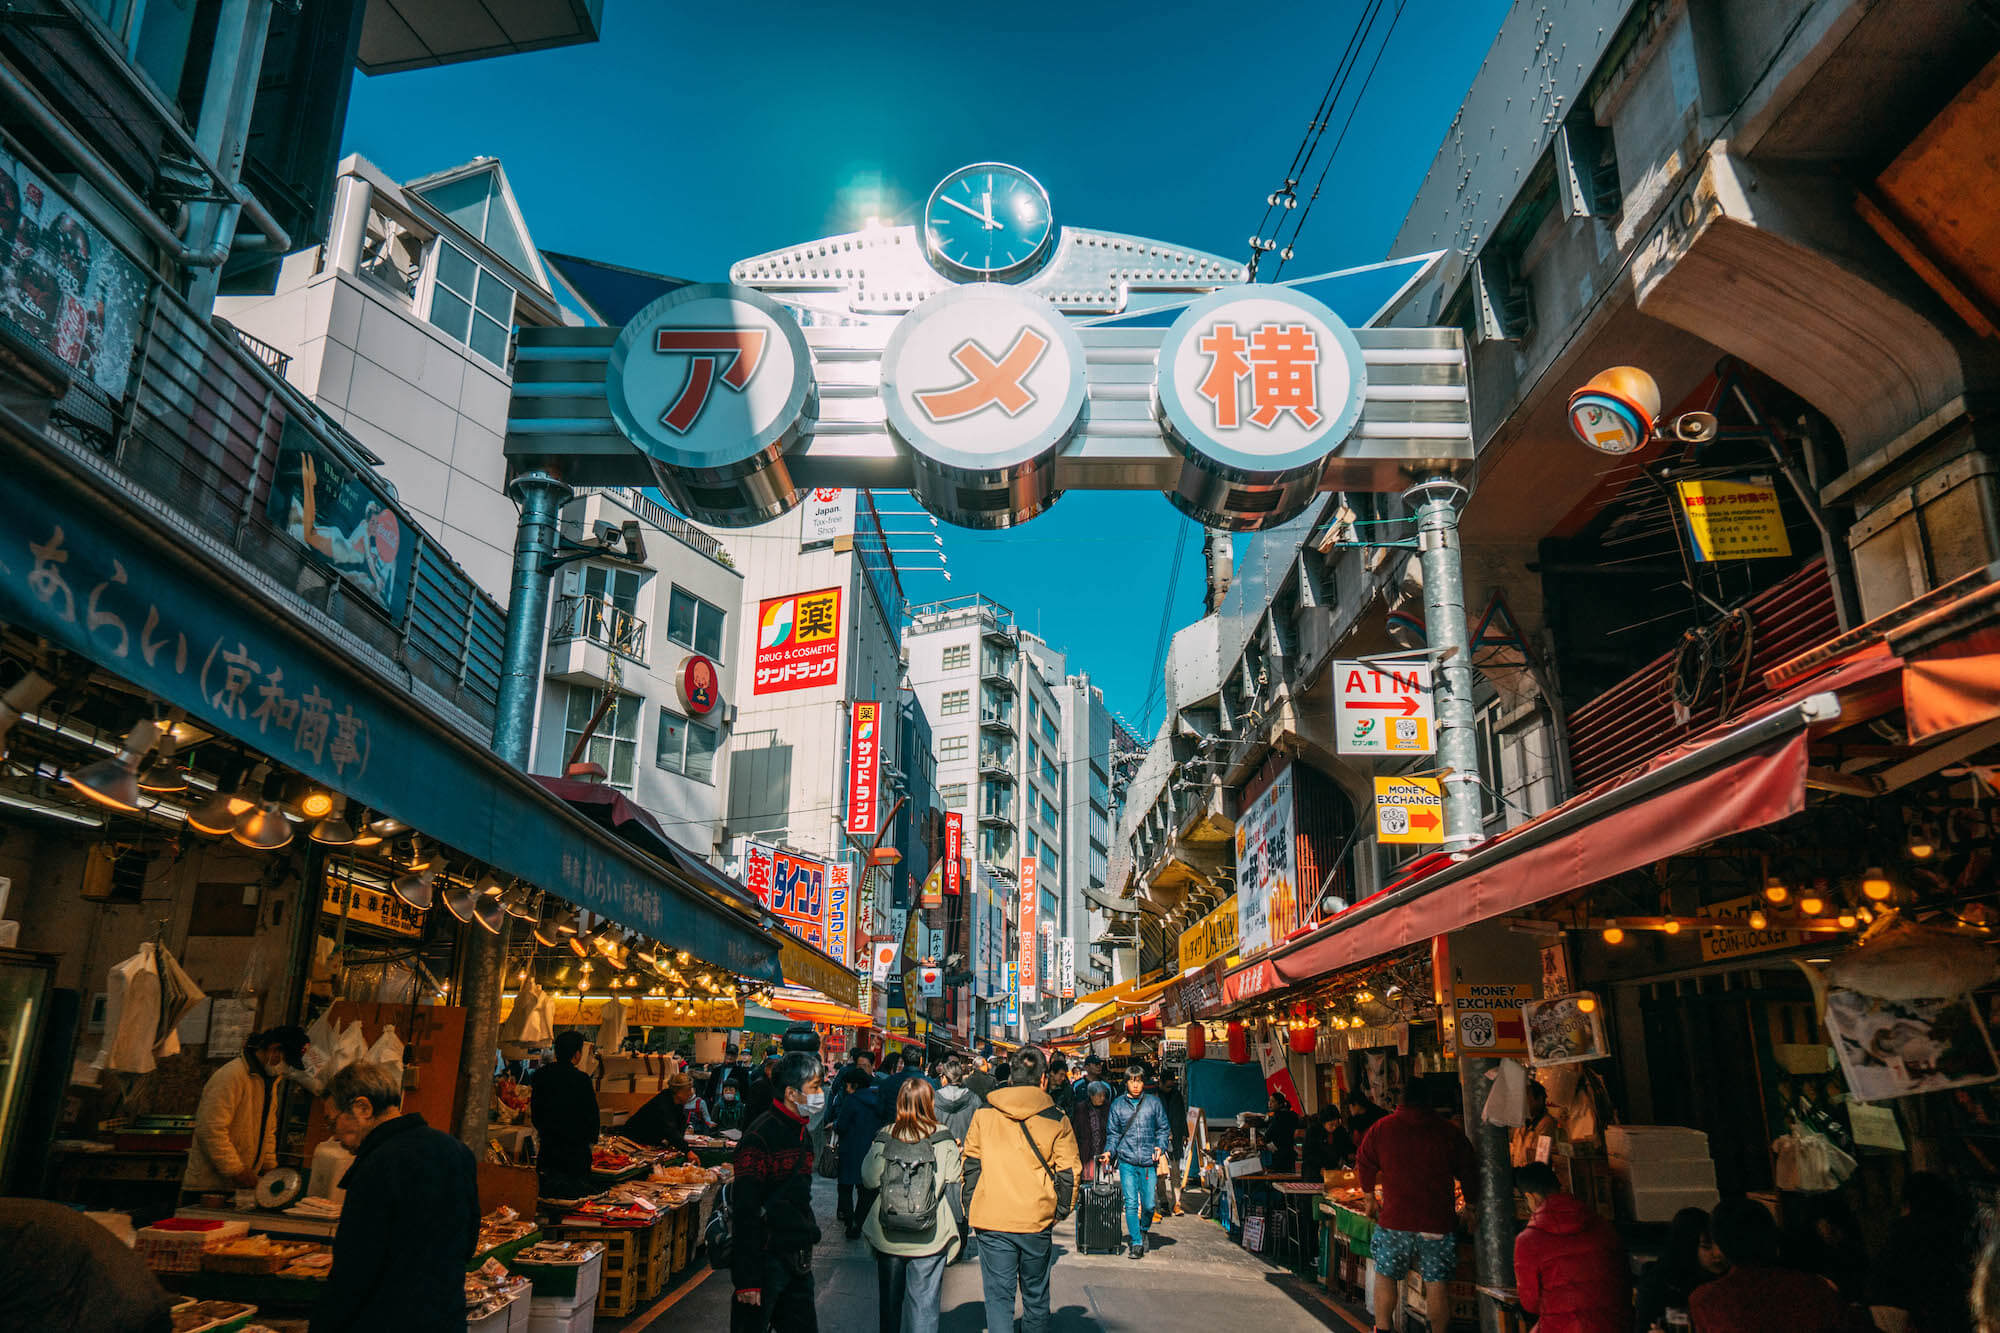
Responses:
[798,642]
[1893,1048]
[63,284]
[1565,1030]
[325,506]
[1267,897]
[1379,1075]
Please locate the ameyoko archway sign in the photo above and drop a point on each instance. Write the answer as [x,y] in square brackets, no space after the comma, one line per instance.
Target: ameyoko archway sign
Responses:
[988,361]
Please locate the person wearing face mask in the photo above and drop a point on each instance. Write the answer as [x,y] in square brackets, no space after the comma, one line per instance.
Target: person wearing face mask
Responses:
[771,1200]
[236,1122]
[729,1112]
[410,1222]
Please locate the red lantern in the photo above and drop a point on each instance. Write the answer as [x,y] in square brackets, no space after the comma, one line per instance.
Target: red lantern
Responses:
[1239,1044]
[1305,1040]
[1197,1041]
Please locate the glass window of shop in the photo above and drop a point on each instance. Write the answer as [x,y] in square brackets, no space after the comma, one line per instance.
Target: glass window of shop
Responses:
[615,743]
[695,624]
[687,747]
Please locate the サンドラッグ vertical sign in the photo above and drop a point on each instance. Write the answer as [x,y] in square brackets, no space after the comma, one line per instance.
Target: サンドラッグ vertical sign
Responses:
[864,766]
[798,641]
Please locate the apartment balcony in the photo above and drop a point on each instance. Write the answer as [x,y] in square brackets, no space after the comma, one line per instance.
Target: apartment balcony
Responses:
[588,636]
[994,720]
[996,767]
[994,814]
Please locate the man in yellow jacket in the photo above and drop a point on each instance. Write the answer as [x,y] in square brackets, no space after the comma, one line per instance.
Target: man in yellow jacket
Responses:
[236,1122]
[1021,1166]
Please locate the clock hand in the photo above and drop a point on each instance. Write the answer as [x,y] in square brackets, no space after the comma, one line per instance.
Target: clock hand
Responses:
[966,209]
[991,225]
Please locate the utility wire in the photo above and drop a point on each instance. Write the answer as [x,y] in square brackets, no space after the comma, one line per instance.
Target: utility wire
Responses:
[1159,686]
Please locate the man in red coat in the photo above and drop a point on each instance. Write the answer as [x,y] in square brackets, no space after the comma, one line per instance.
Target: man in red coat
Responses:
[1569,1268]
[1414,1156]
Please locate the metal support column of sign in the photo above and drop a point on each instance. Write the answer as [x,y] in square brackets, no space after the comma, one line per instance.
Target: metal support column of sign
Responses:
[483,967]
[1437,501]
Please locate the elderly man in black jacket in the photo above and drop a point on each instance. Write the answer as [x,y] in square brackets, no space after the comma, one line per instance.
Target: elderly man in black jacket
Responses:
[563,1105]
[410,1223]
[772,1205]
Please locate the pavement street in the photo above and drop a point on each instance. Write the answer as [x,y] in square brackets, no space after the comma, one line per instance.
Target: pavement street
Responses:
[1195,1278]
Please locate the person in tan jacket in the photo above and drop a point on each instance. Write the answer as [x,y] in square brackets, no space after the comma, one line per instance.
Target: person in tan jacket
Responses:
[236,1123]
[1021,1166]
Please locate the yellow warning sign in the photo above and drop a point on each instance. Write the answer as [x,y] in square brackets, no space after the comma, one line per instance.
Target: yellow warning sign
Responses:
[1733,520]
[1409,810]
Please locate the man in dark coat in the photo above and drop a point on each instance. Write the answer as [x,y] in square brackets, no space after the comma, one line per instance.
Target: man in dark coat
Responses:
[663,1120]
[860,1118]
[771,1201]
[410,1222]
[59,1269]
[563,1106]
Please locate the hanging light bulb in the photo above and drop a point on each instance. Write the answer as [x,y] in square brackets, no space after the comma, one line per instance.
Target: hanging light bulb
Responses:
[114,781]
[1671,926]
[1586,1004]
[1875,885]
[1758,920]
[417,886]
[1775,891]
[646,952]
[316,803]
[1365,996]
[1614,933]
[1812,904]
[1847,920]
[1921,847]
[333,830]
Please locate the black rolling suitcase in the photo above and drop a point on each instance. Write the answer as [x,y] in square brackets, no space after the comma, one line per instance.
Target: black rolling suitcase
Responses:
[1100,1224]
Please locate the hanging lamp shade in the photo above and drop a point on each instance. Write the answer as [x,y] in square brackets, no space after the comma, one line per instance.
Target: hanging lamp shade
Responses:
[1305,1040]
[488,912]
[263,827]
[1197,1041]
[1239,1044]
[114,782]
[334,830]
[417,886]
[458,899]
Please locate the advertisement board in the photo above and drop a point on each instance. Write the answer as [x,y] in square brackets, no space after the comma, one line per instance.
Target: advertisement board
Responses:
[63,283]
[792,887]
[798,642]
[864,767]
[954,851]
[1409,810]
[1212,937]
[330,509]
[1267,896]
[840,912]
[1384,708]
[1030,909]
[828,515]
[1066,972]
[1013,995]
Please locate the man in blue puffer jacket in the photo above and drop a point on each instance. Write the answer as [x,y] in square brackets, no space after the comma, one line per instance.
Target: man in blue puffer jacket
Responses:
[1139,1138]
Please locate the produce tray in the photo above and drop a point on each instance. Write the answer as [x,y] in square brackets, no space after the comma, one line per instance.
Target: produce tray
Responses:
[634,1263]
[505,1251]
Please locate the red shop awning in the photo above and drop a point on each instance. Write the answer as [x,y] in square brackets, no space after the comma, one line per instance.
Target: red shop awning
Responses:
[1748,776]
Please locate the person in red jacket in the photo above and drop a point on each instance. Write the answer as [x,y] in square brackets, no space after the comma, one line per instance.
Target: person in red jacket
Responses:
[1414,1155]
[1569,1267]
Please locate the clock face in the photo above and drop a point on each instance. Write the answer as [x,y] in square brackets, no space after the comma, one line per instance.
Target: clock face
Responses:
[987,221]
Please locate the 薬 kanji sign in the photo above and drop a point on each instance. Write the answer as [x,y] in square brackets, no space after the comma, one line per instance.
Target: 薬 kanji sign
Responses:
[798,642]
[1384,708]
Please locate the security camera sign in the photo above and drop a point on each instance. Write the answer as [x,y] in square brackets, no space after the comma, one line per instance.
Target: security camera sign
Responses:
[1384,708]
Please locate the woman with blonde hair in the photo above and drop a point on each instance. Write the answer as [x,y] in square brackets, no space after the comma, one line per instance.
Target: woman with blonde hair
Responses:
[912,1167]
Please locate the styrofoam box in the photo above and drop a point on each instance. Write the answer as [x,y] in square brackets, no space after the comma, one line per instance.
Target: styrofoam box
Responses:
[509,1318]
[583,1320]
[1665,1173]
[1652,1141]
[589,1278]
[1649,1203]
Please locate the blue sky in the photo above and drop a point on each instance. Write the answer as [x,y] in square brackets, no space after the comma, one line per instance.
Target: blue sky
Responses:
[692,136]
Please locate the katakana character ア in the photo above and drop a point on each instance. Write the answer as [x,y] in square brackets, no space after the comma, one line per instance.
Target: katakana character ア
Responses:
[149,647]
[987,383]
[349,734]
[45,579]
[95,619]
[315,714]
[237,670]
[745,349]
[1285,358]
[1224,347]
[274,705]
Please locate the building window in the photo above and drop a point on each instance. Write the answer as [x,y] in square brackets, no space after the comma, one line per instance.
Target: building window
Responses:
[694,624]
[955,702]
[615,744]
[687,747]
[472,305]
[1049,813]
[958,657]
[953,795]
[1050,773]
[950,748]
[1049,731]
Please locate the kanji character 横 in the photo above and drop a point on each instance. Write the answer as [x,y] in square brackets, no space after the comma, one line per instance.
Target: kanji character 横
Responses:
[149,647]
[315,715]
[1284,359]
[349,733]
[237,670]
[274,705]
[1224,347]
[46,579]
[987,382]
[94,619]
[743,347]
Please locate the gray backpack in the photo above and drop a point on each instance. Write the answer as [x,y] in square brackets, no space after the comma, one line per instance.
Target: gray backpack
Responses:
[911,1191]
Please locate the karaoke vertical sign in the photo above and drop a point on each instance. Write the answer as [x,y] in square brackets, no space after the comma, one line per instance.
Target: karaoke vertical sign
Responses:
[1030,934]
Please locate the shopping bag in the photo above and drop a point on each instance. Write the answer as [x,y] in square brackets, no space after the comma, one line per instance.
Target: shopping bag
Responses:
[828,1164]
[388,1052]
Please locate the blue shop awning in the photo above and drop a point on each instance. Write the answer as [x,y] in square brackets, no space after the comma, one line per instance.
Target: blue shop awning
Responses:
[86,566]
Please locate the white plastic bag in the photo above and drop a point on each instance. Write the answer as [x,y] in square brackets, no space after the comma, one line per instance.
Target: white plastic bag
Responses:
[527,1023]
[611,1027]
[348,1046]
[387,1052]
